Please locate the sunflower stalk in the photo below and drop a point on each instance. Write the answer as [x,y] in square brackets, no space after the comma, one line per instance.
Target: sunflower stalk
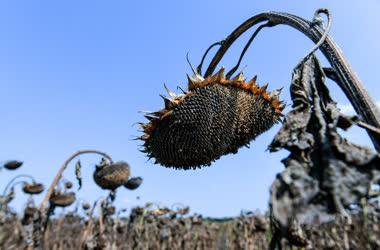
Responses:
[62,169]
[307,190]
[41,219]
[346,78]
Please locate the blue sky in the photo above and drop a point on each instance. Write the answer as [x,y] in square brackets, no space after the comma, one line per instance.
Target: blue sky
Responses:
[74,74]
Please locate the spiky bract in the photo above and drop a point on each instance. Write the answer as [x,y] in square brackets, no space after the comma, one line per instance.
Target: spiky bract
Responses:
[216,117]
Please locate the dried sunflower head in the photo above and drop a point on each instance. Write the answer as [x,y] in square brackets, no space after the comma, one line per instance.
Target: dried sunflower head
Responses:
[12,165]
[215,117]
[184,211]
[59,199]
[161,211]
[138,211]
[111,210]
[112,176]
[30,211]
[133,183]
[33,188]
[68,185]
[8,197]
[85,206]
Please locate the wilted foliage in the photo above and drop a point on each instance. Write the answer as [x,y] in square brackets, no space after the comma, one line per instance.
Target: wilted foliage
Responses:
[145,228]
[107,175]
[325,193]
[325,174]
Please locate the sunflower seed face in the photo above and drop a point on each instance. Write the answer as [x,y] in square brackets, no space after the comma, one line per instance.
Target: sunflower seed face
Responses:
[215,118]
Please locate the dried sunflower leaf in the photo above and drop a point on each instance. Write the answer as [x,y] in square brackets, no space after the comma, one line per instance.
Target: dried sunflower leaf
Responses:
[325,174]
[78,174]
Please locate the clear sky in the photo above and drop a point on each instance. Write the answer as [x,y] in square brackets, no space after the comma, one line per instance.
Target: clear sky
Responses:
[74,74]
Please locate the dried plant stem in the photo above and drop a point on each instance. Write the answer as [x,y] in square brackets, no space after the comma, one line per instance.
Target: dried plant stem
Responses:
[62,169]
[101,223]
[85,233]
[48,232]
[368,127]
[59,226]
[10,183]
[101,215]
[346,77]
[89,225]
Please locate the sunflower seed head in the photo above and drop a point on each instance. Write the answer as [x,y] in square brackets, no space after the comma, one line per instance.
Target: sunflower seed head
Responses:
[133,183]
[85,206]
[68,185]
[216,117]
[12,165]
[33,188]
[112,176]
[59,199]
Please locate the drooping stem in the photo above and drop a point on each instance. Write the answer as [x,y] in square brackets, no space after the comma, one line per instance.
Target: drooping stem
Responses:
[13,183]
[347,79]
[62,169]
[199,68]
[10,183]
[368,127]
[233,70]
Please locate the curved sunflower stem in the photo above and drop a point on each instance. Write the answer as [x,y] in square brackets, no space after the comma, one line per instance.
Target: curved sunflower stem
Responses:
[233,70]
[199,68]
[11,182]
[62,169]
[347,80]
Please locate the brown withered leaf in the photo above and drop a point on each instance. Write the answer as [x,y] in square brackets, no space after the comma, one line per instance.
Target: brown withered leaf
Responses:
[325,174]
[78,174]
